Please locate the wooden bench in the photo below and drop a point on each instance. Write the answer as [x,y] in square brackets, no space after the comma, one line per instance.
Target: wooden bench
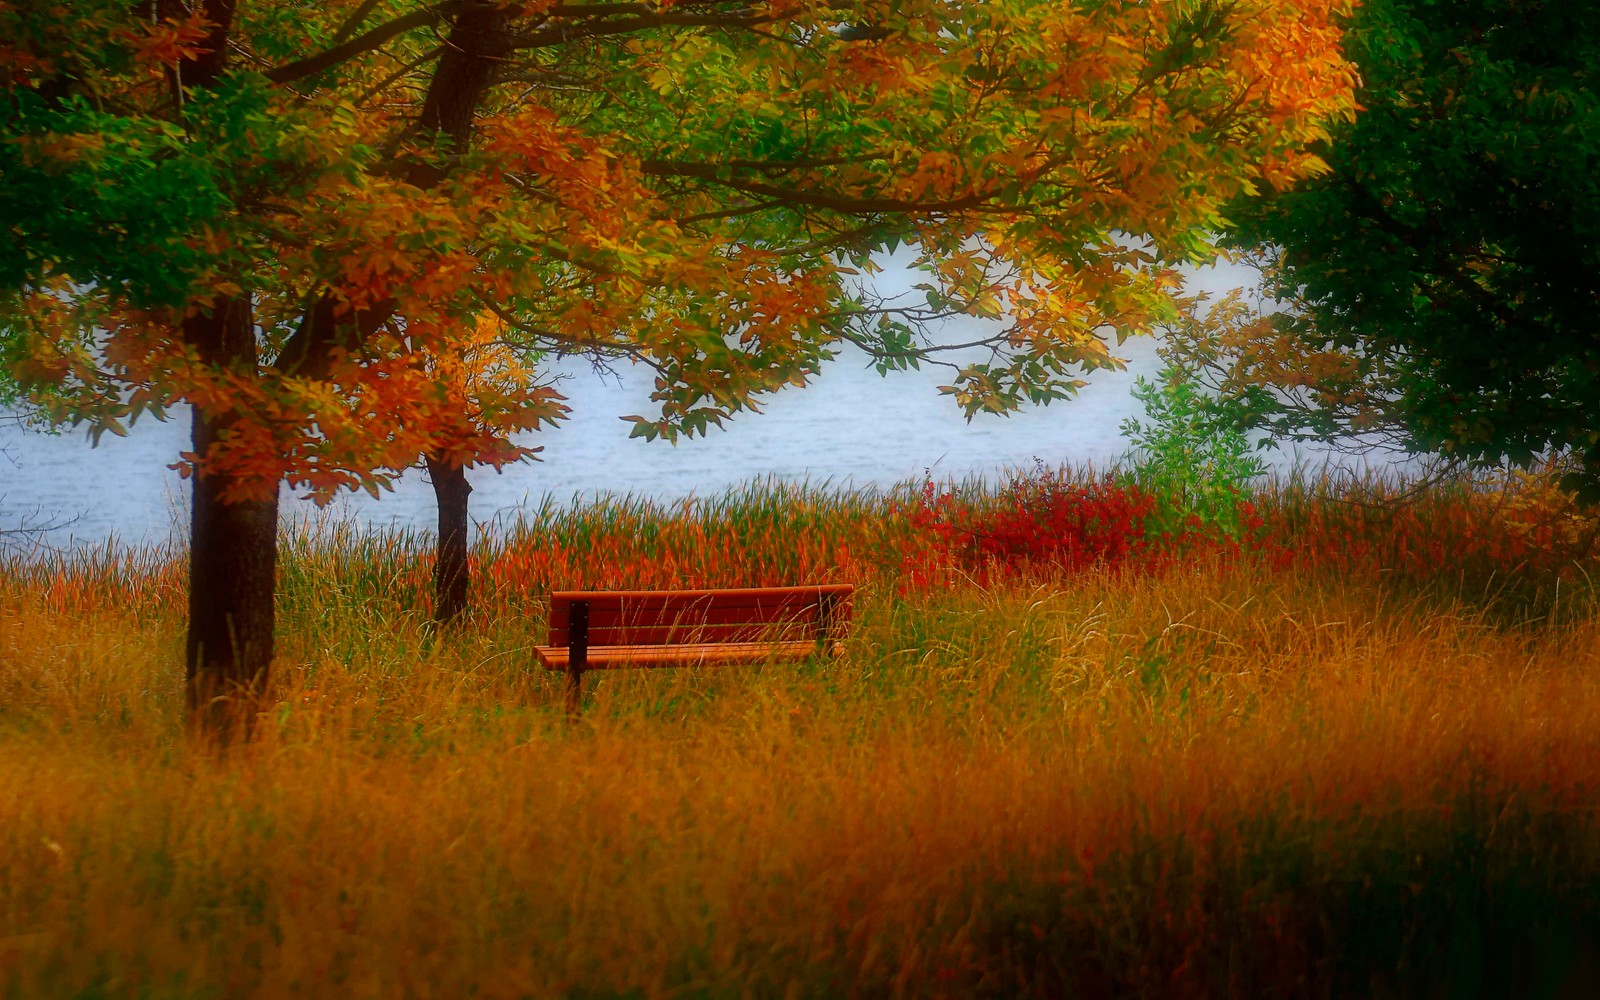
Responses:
[605,630]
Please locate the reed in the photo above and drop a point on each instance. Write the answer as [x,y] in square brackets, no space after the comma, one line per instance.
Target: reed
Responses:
[1258,770]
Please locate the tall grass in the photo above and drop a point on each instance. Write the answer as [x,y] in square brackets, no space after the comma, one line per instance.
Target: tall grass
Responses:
[1263,772]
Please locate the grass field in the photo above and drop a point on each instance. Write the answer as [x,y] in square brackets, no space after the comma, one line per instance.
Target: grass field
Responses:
[1357,754]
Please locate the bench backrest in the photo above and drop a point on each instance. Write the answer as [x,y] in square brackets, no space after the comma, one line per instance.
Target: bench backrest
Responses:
[662,617]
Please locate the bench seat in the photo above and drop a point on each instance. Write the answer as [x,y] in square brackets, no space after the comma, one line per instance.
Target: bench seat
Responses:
[681,654]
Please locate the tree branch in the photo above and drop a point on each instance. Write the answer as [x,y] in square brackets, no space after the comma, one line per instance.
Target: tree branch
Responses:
[597,27]
[837,202]
[354,21]
[328,58]
[309,350]
[386,82]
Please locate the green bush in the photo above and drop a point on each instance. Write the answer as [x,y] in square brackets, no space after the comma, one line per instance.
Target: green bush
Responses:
[1192,454]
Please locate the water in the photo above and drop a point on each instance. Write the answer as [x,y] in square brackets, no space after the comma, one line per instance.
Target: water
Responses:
[849,428]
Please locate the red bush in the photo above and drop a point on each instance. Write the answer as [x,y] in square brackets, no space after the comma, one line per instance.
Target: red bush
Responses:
[1051,523]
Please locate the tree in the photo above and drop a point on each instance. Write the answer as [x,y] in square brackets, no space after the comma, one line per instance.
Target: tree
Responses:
[336,229]
[1443,277]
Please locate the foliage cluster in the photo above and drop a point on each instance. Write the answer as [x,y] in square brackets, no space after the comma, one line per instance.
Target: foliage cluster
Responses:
[1509,532]
[1046,522]
[1192,454]
[407,203]
[1439,281]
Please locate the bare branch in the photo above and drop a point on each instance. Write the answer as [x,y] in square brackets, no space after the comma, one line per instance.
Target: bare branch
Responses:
[30,531]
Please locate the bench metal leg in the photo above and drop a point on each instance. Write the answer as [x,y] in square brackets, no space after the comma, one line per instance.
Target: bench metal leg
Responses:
[577,654]
[574,692]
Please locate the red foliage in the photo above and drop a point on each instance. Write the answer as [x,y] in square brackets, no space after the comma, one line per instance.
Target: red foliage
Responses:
[670,554]
[1053,524]
[1487,535]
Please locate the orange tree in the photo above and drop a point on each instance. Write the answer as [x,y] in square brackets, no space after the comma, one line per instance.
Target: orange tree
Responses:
[343,232]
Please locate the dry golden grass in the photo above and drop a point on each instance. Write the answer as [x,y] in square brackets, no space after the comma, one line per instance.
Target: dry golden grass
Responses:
[1240,782]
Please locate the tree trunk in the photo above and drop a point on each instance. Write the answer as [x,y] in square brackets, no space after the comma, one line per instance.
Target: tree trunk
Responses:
[450,579]
[233,557]
[473,53]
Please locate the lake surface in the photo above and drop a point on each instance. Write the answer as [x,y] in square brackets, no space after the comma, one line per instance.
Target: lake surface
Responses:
[849,428]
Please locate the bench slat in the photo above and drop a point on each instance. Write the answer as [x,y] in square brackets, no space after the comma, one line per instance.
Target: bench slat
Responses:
[656,598]
[716,613]
[602,614]
[681,654]
[657,635]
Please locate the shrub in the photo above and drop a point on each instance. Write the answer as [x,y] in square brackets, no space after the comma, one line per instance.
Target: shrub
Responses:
[1192,458]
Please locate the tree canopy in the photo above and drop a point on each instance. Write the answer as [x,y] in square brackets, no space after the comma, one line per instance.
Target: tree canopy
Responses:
[684,183]
[1444,274]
